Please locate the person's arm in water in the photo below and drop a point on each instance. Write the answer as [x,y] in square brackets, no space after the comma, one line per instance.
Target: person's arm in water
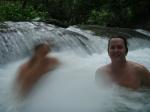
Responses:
[145,74]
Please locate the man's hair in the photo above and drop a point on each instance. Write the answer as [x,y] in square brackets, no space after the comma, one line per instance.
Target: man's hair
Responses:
[121,37]
[40,45]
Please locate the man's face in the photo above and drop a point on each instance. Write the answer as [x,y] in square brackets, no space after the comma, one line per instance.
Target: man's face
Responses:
[43,50]
[117,49]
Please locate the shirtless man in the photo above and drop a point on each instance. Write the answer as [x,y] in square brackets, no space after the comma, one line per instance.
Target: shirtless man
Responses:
[125,73]
[37,66]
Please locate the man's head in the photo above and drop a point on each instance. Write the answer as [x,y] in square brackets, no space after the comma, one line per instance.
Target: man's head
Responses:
[42,49]
[117,47]
[124,41]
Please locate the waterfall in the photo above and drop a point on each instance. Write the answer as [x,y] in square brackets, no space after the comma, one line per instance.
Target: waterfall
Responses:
[18,39]
[71,87]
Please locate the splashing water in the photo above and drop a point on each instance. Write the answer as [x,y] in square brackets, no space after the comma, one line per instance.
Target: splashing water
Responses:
[72,87]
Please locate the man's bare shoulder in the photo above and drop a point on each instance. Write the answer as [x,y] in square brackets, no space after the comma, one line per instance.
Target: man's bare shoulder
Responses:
[104,69]
[144,73]
[102,75]
[137,66]
[52,62]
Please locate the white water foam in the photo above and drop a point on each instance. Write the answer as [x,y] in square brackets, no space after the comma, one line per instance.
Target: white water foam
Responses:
[72,88]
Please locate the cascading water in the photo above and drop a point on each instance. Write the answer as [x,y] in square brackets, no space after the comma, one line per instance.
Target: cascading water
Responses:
[18,39]
[72,86]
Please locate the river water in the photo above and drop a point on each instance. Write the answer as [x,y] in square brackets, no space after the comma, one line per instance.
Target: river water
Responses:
[72,86]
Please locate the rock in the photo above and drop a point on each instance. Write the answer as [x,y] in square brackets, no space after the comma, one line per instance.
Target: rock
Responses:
[56,22]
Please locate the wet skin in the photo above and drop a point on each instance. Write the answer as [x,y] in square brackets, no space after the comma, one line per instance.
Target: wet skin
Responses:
[125,73]
[34,69]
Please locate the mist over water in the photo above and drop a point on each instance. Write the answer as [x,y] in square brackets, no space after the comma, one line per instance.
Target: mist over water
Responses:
[72,86]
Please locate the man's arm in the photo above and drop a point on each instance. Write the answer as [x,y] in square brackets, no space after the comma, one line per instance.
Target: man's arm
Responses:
[21,72]
[145,77]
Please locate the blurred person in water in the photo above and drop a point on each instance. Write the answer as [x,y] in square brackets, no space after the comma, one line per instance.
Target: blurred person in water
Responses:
[37,66]
[121,71]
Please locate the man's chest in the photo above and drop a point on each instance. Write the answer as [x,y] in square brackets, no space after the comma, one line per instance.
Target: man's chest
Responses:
[129,79]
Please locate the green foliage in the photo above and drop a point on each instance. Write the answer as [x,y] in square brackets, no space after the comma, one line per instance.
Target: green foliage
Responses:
[102,17]
[12,11]
[111,15]
[103,12]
